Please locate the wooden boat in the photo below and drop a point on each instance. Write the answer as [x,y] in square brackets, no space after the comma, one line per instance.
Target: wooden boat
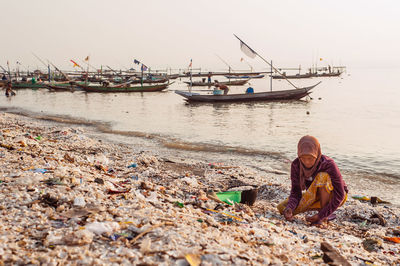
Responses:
[60,87]
[173,76]
[27,85]
[244,77]
[327,74]
[228,83]
[138,81]
[294,94]
[297,76]
[124,88]
[63,86]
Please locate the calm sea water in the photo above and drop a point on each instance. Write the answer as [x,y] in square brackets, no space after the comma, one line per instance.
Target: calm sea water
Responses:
[355,117]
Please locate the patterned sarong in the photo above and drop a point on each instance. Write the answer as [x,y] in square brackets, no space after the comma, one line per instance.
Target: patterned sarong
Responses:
[309,199]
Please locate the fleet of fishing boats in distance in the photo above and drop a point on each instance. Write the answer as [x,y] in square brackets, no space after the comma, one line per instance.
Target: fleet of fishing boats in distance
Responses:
[120,81]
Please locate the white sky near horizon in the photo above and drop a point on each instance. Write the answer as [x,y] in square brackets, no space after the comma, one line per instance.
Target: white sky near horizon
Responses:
[161,34]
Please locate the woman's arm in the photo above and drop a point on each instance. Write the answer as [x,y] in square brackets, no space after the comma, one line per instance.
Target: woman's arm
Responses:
[295,193]
[338,191]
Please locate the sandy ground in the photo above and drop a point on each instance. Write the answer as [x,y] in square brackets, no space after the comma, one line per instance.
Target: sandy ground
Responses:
[69,199]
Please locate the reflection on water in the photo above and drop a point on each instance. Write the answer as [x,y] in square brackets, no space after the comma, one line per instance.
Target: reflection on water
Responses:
[356,126]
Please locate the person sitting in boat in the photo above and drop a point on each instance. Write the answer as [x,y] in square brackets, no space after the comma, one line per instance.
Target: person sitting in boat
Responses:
[320,177]
[4,77]
[249,90]
[222,87]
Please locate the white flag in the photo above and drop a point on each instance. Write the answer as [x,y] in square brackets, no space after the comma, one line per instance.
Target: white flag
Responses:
[246,49]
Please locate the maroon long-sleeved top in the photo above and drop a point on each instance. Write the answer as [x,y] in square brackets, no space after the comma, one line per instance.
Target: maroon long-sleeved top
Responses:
[327,165]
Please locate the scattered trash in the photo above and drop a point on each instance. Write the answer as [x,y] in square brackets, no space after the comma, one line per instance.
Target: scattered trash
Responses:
[373,200]
[39,170]
[116,236]
[119,191]
[134,165]
[79,202]
[100,228]
[393,239]
[179,204]
[193,259]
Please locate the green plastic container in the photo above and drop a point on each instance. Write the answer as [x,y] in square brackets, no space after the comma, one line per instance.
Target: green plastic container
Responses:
[230,197]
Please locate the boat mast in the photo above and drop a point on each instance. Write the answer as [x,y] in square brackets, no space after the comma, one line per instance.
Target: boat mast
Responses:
[254,52]
[270,77]
[191,75]
[229,67]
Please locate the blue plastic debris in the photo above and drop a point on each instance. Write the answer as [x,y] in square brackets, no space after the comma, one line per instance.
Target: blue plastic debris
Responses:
[134,165]
[39,170]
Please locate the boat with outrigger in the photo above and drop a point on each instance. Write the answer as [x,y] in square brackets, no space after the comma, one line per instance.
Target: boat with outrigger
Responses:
[281,95]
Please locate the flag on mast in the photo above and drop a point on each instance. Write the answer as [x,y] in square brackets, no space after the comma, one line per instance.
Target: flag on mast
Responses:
[136,62]
[246,49]
[87,58]
[75,63]
[190,65]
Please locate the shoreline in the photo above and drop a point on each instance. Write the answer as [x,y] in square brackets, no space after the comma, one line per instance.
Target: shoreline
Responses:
[360,182]
[71,198]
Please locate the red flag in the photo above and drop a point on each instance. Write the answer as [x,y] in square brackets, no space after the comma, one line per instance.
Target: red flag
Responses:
[75,63]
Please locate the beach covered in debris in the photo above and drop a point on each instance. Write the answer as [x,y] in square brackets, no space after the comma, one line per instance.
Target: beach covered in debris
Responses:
[68,198]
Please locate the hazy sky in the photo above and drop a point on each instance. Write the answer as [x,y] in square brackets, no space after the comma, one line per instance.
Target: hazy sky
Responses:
[169,33]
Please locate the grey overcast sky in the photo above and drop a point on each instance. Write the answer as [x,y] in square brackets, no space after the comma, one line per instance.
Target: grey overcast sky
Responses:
[164,33]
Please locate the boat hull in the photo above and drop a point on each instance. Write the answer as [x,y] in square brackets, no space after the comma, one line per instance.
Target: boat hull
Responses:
[297,76]
[245,77]
[149,88]
[27,85]
[295,94]
[60,87]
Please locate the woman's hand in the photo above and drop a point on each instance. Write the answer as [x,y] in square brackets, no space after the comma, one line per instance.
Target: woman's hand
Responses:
[288,213]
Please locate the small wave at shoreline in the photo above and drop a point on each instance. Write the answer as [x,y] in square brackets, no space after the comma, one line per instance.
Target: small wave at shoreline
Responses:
[177,144]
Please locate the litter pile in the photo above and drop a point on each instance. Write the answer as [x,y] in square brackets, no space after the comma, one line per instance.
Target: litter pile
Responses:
[67,198]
